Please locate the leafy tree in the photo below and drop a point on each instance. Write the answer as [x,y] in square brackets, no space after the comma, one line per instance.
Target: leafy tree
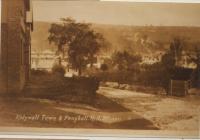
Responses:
[176,48]
[104,67]
[196,59]
[125,60]
[82,41]
[170,60]
[126,63]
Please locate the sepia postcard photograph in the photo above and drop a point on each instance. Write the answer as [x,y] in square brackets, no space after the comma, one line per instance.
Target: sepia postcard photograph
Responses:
[114,68]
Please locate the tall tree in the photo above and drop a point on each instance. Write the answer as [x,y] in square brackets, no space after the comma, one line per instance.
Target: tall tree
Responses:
[195,58]
[170,61]
[126,63]
[176,48]
[125,60]
[82,41]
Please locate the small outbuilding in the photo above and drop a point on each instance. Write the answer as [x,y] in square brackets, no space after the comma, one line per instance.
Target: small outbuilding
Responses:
[181,81]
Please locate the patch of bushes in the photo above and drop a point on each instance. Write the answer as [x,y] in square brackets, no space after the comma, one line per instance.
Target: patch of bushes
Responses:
[39,72]
[74,89]
[82,85]
[104,67]
[154,75]
[58,70]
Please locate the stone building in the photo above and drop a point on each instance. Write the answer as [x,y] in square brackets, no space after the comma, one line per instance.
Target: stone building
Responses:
[16,27]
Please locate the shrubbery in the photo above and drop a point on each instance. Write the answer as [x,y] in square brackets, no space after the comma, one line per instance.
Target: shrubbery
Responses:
[154,75]
[69,89]
[58,70]
[86,86]
[39,72]
[104,67]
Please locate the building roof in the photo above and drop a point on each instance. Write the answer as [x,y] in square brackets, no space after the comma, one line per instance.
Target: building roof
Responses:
[180,73]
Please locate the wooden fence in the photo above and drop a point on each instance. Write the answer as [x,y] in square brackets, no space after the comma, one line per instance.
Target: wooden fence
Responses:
[179,87]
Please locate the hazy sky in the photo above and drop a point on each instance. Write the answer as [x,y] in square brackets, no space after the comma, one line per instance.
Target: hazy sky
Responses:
[124,13]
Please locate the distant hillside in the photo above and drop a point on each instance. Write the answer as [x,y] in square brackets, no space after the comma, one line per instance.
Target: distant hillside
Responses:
[40,37]
[141,39]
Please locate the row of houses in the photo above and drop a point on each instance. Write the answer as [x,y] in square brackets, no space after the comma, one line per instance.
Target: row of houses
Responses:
[43,60]
[47,59]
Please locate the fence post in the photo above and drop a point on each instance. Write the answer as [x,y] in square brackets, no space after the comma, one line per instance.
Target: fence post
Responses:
[171,84]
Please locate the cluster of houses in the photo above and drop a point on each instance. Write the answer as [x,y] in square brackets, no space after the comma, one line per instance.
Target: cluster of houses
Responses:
[47,59]
[152,58]
[186,62]
[43,60]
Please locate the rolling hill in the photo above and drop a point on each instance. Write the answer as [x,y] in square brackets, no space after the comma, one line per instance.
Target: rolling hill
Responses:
[140,39]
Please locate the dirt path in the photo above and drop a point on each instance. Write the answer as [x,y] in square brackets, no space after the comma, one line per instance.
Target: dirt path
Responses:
[103,114]
[112,108]
[106,116]
[167,113]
